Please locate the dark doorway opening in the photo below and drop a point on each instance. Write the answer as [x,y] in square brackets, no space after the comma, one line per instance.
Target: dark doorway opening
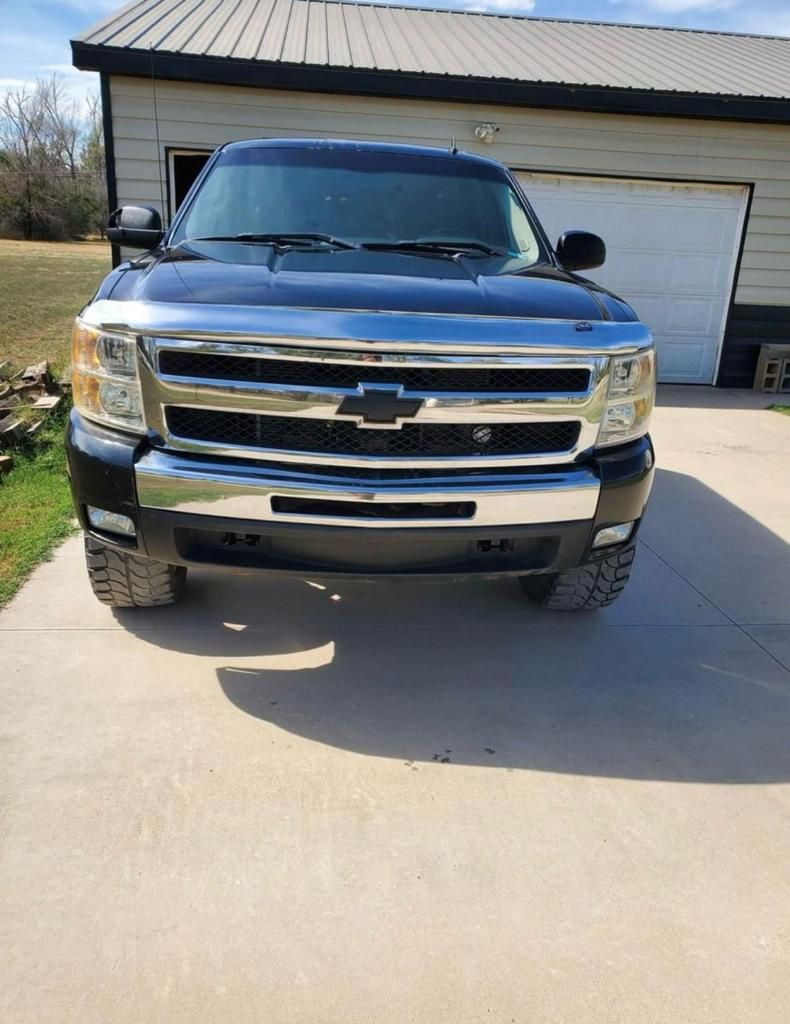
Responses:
[183,167]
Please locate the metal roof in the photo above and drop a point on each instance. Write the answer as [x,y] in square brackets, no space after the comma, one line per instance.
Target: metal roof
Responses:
[375,37]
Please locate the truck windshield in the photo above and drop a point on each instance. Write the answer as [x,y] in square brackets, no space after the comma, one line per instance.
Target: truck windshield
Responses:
[363,196]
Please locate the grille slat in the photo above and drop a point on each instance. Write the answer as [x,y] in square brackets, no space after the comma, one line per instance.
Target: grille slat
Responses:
[481,379]
[338,437]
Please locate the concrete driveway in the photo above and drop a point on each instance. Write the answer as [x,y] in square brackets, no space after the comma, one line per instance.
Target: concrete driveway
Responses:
[291,804]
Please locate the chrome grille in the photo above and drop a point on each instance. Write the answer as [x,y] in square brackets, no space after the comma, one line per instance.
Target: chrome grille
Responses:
[279,401]
[286,433]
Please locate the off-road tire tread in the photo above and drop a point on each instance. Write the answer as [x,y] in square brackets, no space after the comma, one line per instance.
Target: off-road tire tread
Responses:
[590,586]
[124,580]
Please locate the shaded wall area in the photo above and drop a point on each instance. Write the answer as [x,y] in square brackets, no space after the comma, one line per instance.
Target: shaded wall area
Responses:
[749,327]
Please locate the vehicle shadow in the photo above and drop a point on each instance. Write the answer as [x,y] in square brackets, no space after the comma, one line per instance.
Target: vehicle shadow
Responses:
[472,674]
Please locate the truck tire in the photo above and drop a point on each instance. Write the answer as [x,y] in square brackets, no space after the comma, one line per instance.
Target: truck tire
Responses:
[124,580]
[589,586]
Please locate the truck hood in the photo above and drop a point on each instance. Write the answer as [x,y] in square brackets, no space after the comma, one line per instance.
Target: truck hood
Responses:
[370,281]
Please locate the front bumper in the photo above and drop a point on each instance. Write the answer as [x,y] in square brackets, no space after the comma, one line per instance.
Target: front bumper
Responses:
[293,519]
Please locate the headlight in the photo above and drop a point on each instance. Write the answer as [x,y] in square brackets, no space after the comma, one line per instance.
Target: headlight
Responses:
[629,403]
[104,377]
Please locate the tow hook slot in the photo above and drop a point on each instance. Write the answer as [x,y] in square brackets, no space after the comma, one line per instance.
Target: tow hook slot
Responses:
[505,545]
[251,540]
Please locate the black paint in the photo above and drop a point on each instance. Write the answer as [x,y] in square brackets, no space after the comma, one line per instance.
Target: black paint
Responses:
[367,280]
[109,154]
[379,405]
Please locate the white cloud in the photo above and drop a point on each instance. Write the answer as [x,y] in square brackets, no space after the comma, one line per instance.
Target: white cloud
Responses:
[495,6]
[680,6]
[60,69]
[753,16]
[94,7]
[766,23]
[15,83]
[78,85]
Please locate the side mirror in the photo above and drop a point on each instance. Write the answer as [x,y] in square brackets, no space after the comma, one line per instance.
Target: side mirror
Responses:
[139,227]
[580,250]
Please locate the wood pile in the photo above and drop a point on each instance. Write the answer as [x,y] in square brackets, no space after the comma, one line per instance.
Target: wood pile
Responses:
[27,397]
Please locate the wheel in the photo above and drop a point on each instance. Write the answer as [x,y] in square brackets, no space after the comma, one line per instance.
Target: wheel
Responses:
[589,586]
[128,581]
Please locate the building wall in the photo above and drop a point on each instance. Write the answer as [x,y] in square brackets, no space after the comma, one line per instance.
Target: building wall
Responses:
[198,115]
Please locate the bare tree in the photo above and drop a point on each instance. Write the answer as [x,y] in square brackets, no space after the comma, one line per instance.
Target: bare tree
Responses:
[63,123]
[51,163]
[93,165]
[21,131]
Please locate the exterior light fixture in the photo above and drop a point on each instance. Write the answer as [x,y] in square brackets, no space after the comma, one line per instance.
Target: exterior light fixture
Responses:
[110,522]
[486,132]
[618,534]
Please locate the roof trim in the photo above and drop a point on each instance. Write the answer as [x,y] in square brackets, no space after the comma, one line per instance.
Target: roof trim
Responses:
[412,85]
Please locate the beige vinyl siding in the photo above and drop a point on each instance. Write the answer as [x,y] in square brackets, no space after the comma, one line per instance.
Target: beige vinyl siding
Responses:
[201,116]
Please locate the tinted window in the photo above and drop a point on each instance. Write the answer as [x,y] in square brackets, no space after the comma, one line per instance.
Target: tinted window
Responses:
[361,196]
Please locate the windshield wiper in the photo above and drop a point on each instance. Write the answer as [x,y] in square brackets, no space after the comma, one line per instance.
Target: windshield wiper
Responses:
[437,247]
[281,240]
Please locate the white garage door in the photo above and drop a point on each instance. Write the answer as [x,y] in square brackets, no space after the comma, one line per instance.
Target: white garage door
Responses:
[671,253]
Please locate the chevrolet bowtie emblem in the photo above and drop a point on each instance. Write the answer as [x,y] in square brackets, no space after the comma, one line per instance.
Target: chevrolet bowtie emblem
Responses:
[379,405]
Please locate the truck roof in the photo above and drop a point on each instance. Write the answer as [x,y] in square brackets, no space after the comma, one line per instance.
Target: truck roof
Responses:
[370,147]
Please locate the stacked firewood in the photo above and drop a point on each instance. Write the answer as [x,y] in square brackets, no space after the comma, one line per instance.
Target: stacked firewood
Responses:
[27,397]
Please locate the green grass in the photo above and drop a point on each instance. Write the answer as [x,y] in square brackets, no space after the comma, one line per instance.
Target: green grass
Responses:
[785,409]
[35,505]
[43,285]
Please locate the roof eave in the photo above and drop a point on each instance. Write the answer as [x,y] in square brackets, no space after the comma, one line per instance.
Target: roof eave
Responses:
[374,82]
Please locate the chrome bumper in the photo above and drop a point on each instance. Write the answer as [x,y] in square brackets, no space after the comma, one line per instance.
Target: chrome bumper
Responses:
[177,484]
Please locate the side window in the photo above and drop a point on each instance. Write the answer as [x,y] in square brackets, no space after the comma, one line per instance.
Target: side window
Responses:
[521,228]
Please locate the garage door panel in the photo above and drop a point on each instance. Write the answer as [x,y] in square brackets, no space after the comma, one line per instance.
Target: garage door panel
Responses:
[706,230]
[682,317]
[652,310]
[690,316]
[679,361]
[690,274]
[627,272]
[694,274]
[647,226]
[670,253]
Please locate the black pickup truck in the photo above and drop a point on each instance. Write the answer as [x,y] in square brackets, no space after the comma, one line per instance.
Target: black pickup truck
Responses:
[357,358]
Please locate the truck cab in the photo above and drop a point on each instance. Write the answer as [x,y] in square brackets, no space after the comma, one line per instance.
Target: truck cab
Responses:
[351,358]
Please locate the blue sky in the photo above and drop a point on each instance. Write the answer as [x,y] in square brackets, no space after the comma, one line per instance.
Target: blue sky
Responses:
[34,34]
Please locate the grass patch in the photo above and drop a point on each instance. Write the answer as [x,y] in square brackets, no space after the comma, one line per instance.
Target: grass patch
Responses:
[42,288]
[35,505]
[784,409]
[43,285]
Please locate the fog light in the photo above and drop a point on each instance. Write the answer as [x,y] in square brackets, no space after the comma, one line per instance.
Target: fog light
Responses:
[110,522]
[613,535]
